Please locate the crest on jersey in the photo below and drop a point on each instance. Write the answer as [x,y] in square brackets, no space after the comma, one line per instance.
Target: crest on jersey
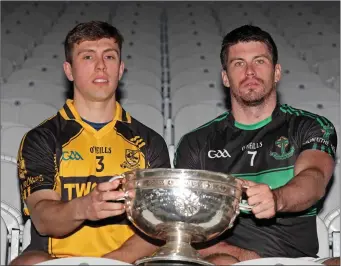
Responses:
[282,143]
[132,159]
[327,131]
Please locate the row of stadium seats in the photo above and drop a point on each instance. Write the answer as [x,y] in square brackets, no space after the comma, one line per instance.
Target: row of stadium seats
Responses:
[172,80]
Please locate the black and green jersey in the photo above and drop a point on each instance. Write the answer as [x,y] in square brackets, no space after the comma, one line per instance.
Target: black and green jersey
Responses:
[264,152]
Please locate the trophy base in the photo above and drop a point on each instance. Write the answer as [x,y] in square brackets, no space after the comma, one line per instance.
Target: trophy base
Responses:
[174,253]
[171,260]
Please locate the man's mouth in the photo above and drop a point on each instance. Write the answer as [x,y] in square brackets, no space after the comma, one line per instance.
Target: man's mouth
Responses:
[101,80]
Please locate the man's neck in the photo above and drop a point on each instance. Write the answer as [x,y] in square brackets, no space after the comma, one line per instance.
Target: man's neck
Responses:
[96,112]
[248,115]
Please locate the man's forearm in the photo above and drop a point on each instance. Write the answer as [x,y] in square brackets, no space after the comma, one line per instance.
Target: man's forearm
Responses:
[225,248]
[133,249]
[58,218]
[300,193]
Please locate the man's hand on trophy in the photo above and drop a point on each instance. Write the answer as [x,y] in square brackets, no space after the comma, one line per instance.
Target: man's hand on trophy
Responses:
[100,202]
[261,198]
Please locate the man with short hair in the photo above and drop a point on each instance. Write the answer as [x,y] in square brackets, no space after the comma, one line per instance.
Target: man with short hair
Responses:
[284,156]
[65,163]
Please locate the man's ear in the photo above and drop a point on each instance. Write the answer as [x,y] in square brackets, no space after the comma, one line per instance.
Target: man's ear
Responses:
[225,78]
[68,70]
[278,72]
[121,70]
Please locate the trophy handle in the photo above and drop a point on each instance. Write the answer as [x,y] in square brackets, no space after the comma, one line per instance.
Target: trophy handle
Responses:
[119,177]
[243,204]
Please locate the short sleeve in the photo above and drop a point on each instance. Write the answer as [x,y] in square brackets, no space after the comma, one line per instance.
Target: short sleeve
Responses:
[158,156]
[320,135]
[37,167]
[187,155]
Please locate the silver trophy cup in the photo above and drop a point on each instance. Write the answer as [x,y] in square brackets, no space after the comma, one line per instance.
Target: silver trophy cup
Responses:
[181,207]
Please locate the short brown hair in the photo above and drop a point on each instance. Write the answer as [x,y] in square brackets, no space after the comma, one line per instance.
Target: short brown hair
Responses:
[247,33]
[90,31]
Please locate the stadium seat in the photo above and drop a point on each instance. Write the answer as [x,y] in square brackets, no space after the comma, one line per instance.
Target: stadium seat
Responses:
[292,64]
[327,70]
[54,95]
[135,47]
[296,93]
[332,221]
[11,137]
[25,111]
[139,93]
[147,115]
[15,36]
[27,76]
[4,243]
[193,24]
[6,69]
[201,92]
[10,193]
[193,37]
[195,75]
[50,51]
[134,75]
[38,62]
[310,39]
[138,36]
[195,60]
[190,117]
[319,53]
[14,53]
[322,235]
[142,62]
[183,50]
[13,223]
[294,74]
[26,239]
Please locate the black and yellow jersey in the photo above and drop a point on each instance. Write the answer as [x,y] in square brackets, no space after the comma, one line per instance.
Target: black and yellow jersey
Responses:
[69,156]
[264,152]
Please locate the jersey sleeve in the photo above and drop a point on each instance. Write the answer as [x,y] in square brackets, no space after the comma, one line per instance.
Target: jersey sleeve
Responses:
[187,154]
[319,134]
[37,167]
[158,156]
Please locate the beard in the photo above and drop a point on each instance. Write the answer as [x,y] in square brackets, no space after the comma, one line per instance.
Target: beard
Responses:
[253,96]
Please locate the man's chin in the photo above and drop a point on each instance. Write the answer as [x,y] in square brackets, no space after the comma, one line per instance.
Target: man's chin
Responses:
[253,102]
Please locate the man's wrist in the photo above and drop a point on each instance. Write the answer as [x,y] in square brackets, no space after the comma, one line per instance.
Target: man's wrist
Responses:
[278,199]
[80,205]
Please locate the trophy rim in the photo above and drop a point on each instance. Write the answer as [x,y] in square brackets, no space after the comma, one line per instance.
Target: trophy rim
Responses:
[175,171]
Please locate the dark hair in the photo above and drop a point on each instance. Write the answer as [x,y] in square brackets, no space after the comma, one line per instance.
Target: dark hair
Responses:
[90,31]
[247,33]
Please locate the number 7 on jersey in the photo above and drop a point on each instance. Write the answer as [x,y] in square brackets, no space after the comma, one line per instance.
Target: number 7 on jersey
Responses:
[253,153]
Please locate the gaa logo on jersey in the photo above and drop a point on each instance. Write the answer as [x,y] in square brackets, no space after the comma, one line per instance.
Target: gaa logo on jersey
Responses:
[216,154]
[71,155]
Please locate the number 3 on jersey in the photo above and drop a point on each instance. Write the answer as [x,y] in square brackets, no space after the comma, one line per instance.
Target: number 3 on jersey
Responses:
[100,166]
[253,155]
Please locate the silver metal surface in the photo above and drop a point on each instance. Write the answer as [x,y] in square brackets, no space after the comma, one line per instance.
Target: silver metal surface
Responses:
[181,207]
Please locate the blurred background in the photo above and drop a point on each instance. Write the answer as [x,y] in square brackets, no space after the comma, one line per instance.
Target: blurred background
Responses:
[172,80]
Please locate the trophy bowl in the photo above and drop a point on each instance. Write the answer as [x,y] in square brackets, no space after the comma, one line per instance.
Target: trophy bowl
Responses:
[181,207]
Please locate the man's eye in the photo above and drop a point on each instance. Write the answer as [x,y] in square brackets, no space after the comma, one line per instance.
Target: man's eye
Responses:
[87,57]
[260,61]
[238,64]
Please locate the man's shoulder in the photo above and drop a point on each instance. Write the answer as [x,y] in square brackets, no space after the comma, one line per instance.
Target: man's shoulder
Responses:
[45,130]
[302,115]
